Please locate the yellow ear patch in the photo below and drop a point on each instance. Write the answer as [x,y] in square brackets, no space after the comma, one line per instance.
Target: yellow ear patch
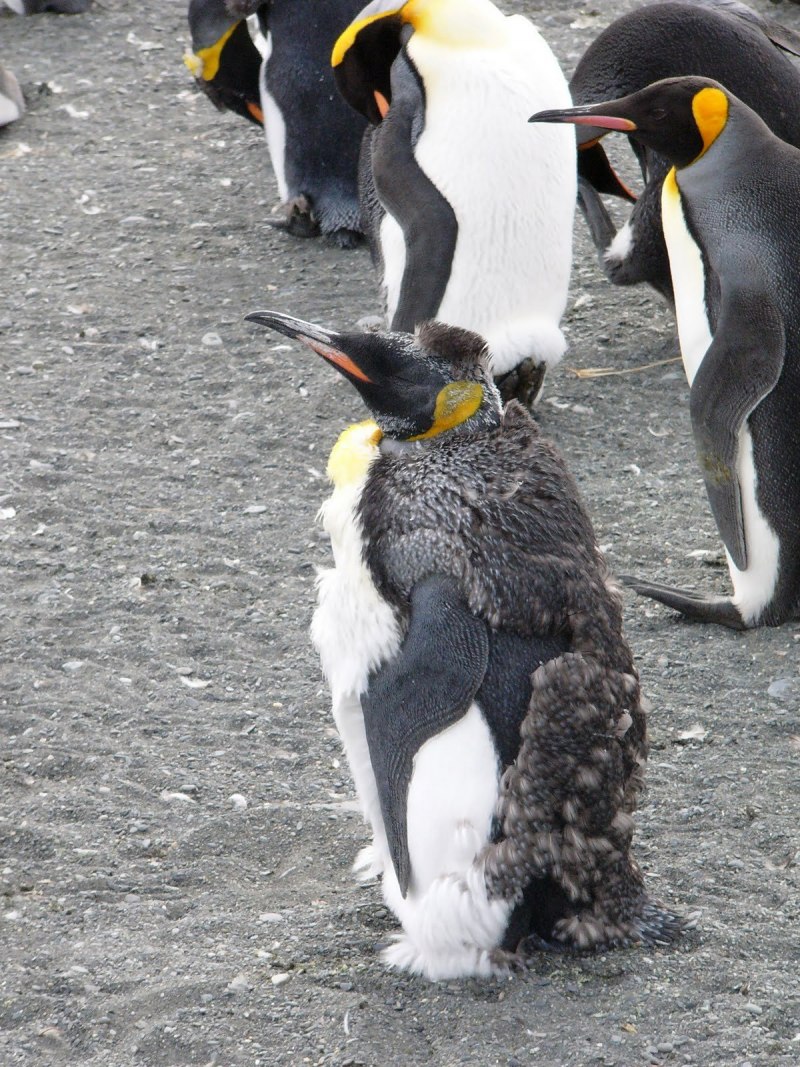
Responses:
[353,452]
[710,110]
[205,62]
[456,403]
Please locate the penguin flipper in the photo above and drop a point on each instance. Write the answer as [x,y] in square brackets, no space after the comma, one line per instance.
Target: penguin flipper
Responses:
[741,367]
[425,216]
[720,610]
[595,168]
[427,687]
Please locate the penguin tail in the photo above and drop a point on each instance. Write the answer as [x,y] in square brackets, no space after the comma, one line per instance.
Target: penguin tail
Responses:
[719,610]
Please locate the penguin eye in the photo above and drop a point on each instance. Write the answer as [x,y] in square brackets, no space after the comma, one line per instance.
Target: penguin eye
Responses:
[658,113]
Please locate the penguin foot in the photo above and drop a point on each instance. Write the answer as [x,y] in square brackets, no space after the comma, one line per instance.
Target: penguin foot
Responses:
[345,238]
[524,383]
[720,610]
[298,218]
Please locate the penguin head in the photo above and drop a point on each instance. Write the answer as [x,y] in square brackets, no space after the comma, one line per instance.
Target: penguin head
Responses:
[680,118]
[224,62]
[363,55]
[415,386]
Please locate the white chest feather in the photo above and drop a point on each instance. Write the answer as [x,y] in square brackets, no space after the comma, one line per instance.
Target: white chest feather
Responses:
[274,125]
[688,280]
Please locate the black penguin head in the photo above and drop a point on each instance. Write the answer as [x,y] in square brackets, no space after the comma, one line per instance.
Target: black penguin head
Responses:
[363,55]
[224,61]
[415,386]
[680,118]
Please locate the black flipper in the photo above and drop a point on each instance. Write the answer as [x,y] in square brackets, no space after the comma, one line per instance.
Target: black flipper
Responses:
[720,610]
[593,165]
[425,216]
[427,687]
[741,367]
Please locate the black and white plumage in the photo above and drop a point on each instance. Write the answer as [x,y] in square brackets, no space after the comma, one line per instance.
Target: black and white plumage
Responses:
[730,210]
[55,7]
[285,83]
[469,217]
[719,39]
[486,698]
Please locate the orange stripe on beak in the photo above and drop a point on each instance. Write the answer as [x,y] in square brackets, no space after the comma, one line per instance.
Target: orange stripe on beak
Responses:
[256,112]
[382,102]
[339,359]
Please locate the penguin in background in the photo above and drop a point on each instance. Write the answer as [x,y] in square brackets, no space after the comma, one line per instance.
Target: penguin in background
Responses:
[55,7]
[12,102]
[730,206]
[720,39]
[469,222]
[485,695]
[284,83]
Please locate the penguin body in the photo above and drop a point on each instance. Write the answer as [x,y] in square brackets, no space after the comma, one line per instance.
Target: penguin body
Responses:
[718,39]
[12,102]
[730,205]
[485,696]
[469,222]
[285,84]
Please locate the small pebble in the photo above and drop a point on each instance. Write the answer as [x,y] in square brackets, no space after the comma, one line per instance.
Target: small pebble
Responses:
[782,689]
[211,339]
[754,1009]
[239,802]
[255,509]
[280,979]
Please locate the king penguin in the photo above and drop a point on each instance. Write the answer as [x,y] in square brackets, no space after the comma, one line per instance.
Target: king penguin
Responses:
[729,207]
[486,697]
[285,83]
[719,39]
[55,7]
[469,221]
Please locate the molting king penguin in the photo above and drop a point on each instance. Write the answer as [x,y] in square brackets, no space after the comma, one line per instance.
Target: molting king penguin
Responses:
[312,136]
[730,206]
[486,698]
[469,221]
[719,39]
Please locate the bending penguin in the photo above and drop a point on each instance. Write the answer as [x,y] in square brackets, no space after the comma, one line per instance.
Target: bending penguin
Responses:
[469,221]
[729,207]
[486,698]
[312,136]
[719,39]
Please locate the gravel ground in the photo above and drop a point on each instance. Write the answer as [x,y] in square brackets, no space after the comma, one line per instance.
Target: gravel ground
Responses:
[177,822]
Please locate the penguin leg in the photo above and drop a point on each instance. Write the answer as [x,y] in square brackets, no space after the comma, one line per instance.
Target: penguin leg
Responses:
[523,382]
[720,610]
[298,218]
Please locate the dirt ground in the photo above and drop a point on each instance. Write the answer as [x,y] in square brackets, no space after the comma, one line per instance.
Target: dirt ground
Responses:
[177,822]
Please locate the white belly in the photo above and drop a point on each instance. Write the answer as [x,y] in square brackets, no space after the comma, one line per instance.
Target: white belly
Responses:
[274,126]
[449,924]
[511,185]
[755,586]
[688,280]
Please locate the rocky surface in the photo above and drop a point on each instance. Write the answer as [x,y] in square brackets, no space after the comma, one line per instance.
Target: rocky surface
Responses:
[177,823]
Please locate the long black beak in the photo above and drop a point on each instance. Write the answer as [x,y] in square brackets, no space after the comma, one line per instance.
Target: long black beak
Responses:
[595,121]
[325,343]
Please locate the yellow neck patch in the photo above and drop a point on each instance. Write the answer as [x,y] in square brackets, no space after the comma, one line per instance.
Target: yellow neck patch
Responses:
[205,62]
[456,403]
[710,110]
[353,453]
[347,38]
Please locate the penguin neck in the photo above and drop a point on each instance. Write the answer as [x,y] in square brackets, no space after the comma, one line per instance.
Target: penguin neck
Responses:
[457,23]
[355,450]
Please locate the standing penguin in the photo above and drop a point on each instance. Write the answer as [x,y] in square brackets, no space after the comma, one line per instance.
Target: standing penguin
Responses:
[312,136]
[730,206]
[469,221]
[486,698]
[55,7]
[719,39]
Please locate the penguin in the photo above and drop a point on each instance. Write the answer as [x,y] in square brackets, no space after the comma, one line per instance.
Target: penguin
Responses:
[487,700]
[719,39]
[729,208]
[468,221]
[12,102]
[224,60]
[55,7]
[312,136]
